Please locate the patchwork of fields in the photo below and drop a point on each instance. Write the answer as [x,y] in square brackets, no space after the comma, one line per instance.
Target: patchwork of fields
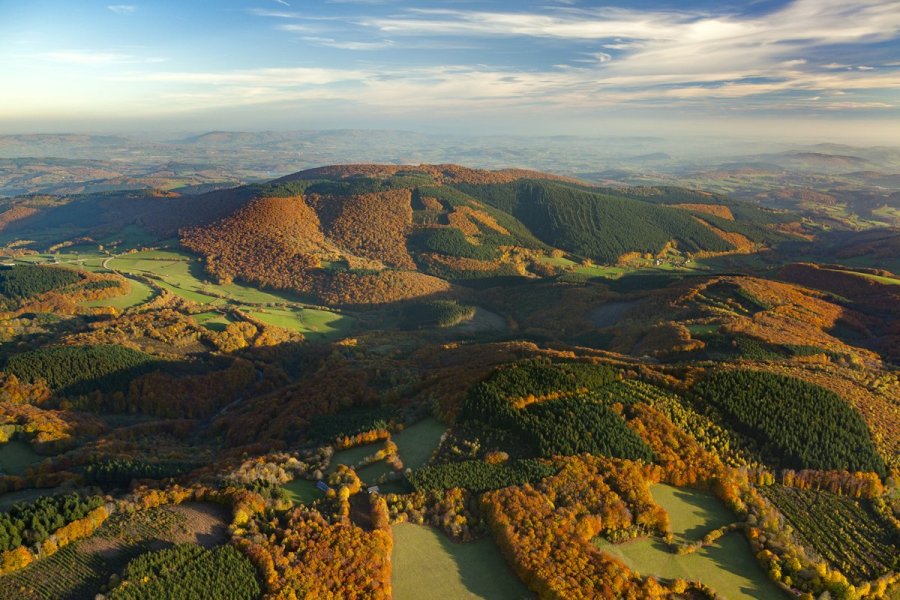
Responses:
[182,275]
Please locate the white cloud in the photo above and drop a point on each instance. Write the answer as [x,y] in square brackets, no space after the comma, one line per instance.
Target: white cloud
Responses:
[675,46]
[857,105]
[122,9]
[349,45]
[274,14]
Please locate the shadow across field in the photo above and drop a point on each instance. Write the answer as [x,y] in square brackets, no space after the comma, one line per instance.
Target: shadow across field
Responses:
[426,564]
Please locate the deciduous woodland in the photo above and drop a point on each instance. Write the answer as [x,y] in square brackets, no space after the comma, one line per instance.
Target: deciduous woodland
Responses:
[245,393]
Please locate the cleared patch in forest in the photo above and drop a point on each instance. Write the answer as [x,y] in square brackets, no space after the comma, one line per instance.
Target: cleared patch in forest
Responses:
[16,456]
[728,566]
[426,564]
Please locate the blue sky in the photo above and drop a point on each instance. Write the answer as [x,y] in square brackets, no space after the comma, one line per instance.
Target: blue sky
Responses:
[811,68]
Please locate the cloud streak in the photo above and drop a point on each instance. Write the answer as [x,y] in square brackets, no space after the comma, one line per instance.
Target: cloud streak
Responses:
[816,57]
[122,9]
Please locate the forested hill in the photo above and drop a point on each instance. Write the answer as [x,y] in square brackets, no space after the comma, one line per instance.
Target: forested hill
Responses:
[371,234]
[377,233]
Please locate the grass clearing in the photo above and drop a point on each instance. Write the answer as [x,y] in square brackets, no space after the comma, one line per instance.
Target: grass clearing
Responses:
[728,566]
[301,491]
[692,513]
[417,443]
[426,564]
[139,294]
[703,329]
[16,456]
[182,274]
[880,278]
[214,321]
[309,321]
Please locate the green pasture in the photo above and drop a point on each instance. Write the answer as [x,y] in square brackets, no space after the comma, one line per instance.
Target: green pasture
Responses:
[692,513]
[182,274]
[426,564]
[417,443]
[301,491]
[728,566]
[139,294]
[310,321]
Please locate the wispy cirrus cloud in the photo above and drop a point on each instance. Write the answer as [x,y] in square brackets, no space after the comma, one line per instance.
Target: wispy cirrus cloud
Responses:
[122,9]
[816,57]
[689,55]
[349,44]
[94,57]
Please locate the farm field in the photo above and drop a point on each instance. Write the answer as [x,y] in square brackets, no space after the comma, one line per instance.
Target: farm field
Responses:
[310,321]
[428,565]
[692,513]
[16,457]
[181,274]
[139,294]
[727,566]
[586,271]
[418,442]
[86,261]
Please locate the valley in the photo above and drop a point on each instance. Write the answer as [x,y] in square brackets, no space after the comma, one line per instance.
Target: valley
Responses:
[437,380]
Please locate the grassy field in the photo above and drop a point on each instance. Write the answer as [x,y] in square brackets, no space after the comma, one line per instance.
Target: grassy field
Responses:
[692,513]
[16,457]
[880,278]
[213,320]
[418,442]
[86,261]
[428,565]
[182,275]
[703,329]
[301,491]
[583,270]
[312,322]
[728,566]
[139,294]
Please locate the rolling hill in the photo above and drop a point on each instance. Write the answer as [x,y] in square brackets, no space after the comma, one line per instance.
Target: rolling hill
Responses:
[371,234]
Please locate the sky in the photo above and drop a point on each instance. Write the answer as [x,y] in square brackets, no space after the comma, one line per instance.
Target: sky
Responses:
[812,69]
